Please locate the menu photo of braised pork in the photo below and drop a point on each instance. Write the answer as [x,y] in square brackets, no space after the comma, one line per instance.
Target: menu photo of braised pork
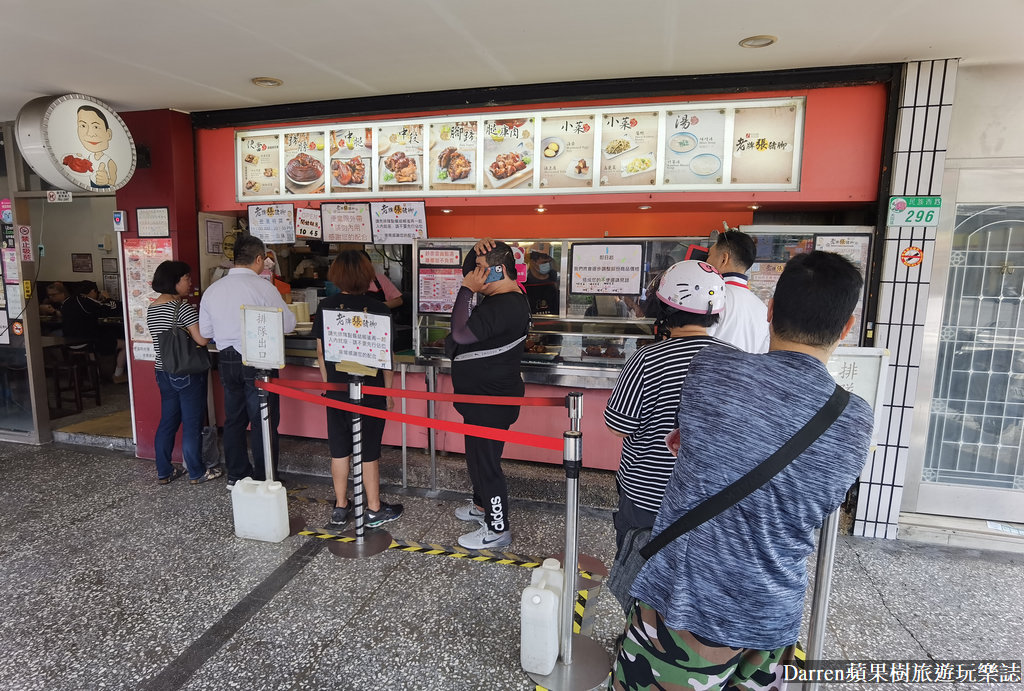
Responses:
[400,152]
[508,153]
[304,162]
[452,157]
[351,152]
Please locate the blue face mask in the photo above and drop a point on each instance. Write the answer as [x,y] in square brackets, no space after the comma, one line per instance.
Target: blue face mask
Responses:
[496,273]
[544,269]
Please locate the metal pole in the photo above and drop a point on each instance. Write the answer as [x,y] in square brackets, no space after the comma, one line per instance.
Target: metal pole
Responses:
[405,448]
[268,452]
[574,402]
[573,458]
[355,395]
[822,590]
[431,377]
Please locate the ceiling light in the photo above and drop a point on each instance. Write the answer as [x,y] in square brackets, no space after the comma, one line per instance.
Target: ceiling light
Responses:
[446,211]
[755,207]
[540,209]
[645,207]
[267,82]
[759,41]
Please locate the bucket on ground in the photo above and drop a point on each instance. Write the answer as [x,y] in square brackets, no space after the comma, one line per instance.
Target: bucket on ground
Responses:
[539,618]
[260,509]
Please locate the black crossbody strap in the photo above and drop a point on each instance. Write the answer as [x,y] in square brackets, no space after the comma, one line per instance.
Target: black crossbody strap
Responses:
[765,471]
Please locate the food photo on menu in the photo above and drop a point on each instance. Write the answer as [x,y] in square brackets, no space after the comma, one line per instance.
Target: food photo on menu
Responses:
[694,147]
[567,151]
[260,174]
[350,152]
[453,156]
[304,162]
[508,153]
[400,150]
[628,149]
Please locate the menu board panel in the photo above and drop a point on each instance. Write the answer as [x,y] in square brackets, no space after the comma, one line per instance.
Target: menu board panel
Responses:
[260,157]
[437,289]
[694,147]
[274,224]
[857,249]
[508,154]
[346,222]
[764,145]
[567,151]
[452,163]
[351,159]
[629,145]
[400,154]
[303,162]
[141,257]
[398,224]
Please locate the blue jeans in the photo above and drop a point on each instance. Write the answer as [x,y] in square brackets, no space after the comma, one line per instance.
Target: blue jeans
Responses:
[241,410]
[182,403]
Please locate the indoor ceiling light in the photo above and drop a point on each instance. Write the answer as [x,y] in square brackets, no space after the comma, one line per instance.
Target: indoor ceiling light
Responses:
[446,211]
[540,209]
[267,82]
[759,41]
[644,207]
[755,207]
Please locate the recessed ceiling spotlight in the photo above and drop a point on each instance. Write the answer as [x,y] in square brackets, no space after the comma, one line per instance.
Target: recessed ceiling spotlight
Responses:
[755,207]
[267,82]
[644,207]
[540,209]
[446,211]
[759,41]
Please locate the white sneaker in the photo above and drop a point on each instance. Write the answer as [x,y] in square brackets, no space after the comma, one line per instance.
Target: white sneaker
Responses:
[469,512]
[483,538]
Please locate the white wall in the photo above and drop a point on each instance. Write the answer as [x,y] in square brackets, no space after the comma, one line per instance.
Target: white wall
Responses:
[987,113]
[75,227]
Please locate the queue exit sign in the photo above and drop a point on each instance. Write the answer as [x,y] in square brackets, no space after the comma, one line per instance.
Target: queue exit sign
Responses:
[914,211]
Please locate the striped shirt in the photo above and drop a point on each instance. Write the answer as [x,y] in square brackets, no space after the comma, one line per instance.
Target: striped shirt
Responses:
[644,405]
[160,318]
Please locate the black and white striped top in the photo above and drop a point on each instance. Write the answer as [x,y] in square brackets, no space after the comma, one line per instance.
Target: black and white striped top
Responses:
[160,317]
[645,405]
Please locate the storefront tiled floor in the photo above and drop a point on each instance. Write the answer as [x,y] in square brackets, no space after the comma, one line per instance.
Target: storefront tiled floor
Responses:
[109,580]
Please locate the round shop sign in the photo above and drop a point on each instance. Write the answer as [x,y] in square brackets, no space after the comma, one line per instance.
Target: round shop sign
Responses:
[911,256]
[76,142]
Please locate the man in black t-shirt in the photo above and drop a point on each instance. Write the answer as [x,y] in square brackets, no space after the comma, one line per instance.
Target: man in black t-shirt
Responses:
[486,347]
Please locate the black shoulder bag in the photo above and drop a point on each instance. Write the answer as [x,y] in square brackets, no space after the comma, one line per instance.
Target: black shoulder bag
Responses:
[179,353]
[638,547]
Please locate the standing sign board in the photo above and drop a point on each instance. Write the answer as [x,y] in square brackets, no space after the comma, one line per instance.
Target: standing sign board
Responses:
[357,337]
[262,337]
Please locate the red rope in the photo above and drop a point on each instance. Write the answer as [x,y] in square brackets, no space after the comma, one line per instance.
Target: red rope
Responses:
[427,395]
[525,438]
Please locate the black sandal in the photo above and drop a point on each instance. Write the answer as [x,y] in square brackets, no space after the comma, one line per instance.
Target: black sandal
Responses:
[211,474]
[175,474]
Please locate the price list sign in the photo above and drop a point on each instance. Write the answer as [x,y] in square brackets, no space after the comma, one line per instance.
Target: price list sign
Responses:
[399,223]
[357,337]
[274,224]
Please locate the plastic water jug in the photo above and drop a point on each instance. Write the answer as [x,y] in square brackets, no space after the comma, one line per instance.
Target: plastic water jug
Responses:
[260,509]
[539,616]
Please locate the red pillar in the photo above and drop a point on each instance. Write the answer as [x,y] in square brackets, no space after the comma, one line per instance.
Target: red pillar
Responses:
[169,181]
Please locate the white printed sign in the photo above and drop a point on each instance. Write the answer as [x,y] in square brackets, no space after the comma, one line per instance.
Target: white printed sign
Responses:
[398,223]
[143,350]
[307,224]
[606,269]
[25,243]
[262,337]
[359,337]
[346,222]
[274,224]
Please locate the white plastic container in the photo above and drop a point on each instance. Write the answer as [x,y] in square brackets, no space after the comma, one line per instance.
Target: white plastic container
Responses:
[260,509]
[539,619]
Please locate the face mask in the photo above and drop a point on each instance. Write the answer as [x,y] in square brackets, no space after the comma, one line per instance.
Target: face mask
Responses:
[544,269]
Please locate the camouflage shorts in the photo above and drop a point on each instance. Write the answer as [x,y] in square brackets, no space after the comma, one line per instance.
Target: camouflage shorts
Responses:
[651,655]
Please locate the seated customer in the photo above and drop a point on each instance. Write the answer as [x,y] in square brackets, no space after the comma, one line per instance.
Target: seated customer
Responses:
[81,315]
[56,294]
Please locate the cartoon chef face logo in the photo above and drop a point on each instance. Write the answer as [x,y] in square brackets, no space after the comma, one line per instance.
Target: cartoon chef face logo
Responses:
[95,135]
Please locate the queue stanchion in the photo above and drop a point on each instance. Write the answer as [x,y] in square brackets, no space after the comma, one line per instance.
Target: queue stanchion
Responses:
[582,662]
[430,374]
[822,590]
[268,451]
[405,441]
[368,541]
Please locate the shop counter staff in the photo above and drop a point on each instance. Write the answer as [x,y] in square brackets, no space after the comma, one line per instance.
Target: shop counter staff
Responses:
[486,347]
[220,320]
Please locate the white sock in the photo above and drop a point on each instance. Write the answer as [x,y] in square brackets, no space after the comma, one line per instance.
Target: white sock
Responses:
[118,371]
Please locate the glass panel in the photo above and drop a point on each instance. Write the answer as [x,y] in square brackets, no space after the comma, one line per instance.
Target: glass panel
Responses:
[981,354]
[15,399]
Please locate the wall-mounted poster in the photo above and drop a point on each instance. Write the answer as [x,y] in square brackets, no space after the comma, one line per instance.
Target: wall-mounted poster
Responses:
[109,265]
[452,164]
[629,149]
[81,263]
[606,268]
[308,223]
[857,249]
[141,257]
[351,159]
[274,224]
[112,286]
[400,152]
[303,162]
[346,222]
[437,289]
[694,147]
[567,151]
[398,223]
[508,154]
[764,145]
[260,158]
[153,222]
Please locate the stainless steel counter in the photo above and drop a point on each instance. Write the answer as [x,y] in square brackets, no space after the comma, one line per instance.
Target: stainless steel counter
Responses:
[553,374]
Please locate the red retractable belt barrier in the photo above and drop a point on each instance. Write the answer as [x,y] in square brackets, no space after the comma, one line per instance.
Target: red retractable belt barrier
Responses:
[525,438]
[427,395]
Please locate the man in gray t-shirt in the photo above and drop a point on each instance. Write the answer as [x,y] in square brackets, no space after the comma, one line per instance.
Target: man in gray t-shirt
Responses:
[723,602]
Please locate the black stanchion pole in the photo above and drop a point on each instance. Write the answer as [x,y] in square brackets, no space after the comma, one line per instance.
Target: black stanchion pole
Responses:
[268,451]
[583,663]
[367,541]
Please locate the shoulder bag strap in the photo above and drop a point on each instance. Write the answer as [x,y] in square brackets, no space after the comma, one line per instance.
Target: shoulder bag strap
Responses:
[765,471]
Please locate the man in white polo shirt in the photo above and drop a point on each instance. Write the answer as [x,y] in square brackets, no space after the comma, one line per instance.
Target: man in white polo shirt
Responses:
[220,319]
[744,322]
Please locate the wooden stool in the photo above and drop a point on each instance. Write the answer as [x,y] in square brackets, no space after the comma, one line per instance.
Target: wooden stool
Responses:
[78,375]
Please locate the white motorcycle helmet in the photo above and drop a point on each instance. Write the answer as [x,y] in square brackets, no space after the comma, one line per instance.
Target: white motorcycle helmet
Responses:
[693,286]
